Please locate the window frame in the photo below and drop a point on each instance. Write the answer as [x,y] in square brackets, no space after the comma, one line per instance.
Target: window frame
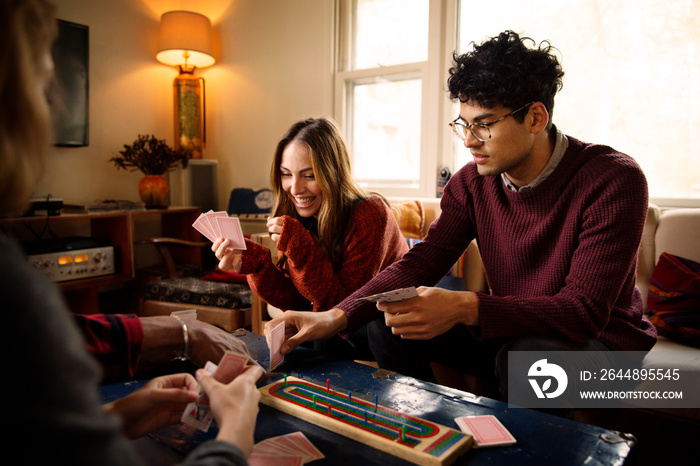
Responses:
[433,97]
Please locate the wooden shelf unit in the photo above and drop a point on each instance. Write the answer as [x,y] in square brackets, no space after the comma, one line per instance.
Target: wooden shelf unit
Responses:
[119,229]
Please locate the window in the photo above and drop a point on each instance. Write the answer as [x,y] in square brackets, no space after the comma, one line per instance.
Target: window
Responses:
[631,82]
[384,79]
[632,78]
[386,130]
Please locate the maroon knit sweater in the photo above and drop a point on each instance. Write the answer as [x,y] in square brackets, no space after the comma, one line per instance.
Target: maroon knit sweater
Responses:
[560,258]
[373,242]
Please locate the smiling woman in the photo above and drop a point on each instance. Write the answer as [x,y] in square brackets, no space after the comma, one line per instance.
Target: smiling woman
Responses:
[330,236]
[298,180]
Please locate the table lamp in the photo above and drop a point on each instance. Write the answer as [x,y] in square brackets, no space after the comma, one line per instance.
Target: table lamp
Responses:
[185,41]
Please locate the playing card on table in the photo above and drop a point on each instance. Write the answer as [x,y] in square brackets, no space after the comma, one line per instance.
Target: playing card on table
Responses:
[259,459]
[276,340]
[401,294]
[298,442]
[487,430]
[294,448]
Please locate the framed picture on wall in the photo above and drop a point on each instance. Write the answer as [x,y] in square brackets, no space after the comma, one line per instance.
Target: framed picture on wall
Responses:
[68,94]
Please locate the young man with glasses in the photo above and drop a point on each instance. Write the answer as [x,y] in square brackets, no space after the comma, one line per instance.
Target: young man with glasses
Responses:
[558,223]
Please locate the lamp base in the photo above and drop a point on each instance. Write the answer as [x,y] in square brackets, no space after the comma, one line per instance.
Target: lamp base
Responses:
[188,97]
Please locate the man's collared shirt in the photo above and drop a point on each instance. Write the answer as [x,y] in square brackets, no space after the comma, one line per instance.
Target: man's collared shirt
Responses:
[560,146]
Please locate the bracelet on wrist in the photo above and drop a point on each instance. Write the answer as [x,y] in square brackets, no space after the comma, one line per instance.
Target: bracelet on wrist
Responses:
[185,335]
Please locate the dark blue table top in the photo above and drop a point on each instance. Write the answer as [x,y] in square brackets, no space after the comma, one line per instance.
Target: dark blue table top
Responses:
[542,439]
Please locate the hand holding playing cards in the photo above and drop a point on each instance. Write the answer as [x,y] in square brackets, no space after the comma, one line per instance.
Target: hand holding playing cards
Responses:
[234,405]
[215,225]
[163,334]
[307,326]
[433,312]
[157,404]
[229,258]
[209,343]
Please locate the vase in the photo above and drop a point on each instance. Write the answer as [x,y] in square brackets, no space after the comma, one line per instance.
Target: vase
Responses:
[153,190]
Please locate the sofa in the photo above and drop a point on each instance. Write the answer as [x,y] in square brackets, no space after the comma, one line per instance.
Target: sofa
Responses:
[672,231]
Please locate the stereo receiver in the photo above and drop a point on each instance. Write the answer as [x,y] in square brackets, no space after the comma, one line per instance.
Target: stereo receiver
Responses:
[72,258]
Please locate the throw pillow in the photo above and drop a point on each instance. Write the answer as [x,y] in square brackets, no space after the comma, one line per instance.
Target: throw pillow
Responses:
[412,242]
[229,276]
[674,299]
[458,269]
[410,217]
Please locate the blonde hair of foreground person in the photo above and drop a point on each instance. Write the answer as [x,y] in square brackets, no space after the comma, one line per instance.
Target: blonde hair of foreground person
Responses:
[27,29]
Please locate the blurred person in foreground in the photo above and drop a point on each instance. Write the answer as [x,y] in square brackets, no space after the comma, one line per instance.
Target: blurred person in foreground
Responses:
[54,405]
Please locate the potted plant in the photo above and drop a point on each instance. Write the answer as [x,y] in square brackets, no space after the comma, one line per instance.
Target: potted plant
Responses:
[153,157]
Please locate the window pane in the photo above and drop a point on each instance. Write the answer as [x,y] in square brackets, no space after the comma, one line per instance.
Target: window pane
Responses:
[390,32]
[385,137]
[632,77]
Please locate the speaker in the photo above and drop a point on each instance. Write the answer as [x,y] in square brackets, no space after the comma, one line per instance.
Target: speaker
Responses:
[196,185]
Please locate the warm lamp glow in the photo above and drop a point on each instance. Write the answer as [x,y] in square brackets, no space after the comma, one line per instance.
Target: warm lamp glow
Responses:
[185,39]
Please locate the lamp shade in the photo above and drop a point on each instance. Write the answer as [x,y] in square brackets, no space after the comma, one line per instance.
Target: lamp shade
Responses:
[184,38]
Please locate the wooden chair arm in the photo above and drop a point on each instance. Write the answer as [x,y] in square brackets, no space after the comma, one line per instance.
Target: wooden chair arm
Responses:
[163,246]
[173,241]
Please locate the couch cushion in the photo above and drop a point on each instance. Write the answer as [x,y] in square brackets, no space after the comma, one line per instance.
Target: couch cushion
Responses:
[677,233]
[410,217]
[674,299]
[196,291]
[647,252]
[412,242]
[221,275]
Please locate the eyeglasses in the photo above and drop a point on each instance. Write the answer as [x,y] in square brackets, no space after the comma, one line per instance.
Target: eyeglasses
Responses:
[480,131]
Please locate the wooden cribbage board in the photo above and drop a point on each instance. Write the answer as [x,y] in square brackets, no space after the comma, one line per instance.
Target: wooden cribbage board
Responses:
[401,435]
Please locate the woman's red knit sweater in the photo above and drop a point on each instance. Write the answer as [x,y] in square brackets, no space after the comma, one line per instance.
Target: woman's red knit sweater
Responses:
[373,242]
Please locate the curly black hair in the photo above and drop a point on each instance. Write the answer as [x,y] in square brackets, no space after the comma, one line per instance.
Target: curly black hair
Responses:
[504,71]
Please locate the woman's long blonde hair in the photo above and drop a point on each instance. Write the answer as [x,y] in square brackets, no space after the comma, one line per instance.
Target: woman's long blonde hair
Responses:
[27,29]
[330,162]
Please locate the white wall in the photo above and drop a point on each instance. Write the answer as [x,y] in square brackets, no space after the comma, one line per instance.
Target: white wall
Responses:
[274,67]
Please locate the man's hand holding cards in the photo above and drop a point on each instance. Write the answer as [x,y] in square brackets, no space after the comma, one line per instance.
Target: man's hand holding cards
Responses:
[393,296]
[214,225]
[425,312]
